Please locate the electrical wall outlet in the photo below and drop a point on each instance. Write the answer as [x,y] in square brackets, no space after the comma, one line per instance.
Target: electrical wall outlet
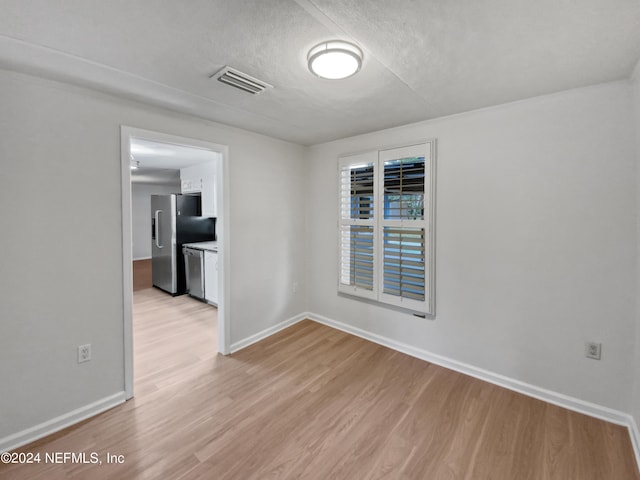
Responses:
[593,350]
[84,353]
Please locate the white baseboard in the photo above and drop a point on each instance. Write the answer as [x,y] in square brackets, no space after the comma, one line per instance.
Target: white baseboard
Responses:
[562,400]
[571,403]
[598,411]
[56,424]
[266,333]
[142,258]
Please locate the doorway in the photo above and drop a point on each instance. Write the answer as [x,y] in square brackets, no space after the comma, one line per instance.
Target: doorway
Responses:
[141,139]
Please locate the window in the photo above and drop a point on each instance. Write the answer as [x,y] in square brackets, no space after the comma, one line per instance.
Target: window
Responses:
[386,235]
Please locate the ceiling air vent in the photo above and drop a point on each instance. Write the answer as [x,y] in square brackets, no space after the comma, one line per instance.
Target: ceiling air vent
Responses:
[240,80]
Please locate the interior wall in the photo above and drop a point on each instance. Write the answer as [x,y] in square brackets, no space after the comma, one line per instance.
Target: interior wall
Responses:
[60,205]
[141,215]
[635,85]
[536,242]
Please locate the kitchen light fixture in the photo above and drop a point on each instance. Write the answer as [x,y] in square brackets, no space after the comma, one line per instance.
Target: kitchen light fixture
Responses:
[335,59]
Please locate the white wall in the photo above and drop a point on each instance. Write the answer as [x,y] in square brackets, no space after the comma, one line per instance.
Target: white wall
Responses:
[60,208]
[635,83]
[536,242]
[141,215]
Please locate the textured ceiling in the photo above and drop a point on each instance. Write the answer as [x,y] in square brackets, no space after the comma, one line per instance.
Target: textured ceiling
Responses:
[423,59]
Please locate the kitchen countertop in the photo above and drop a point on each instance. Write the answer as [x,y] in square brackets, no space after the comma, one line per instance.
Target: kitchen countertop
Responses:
[210,246]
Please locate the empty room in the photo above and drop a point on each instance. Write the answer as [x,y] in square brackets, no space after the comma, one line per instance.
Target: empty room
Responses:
[316,239]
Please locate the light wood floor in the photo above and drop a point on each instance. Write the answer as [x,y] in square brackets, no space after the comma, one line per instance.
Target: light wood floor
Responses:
[315,403]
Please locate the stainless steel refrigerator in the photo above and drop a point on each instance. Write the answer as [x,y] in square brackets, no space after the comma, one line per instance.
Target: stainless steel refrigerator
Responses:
[175,220]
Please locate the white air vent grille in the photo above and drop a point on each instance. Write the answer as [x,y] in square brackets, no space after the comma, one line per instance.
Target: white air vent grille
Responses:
[242,81]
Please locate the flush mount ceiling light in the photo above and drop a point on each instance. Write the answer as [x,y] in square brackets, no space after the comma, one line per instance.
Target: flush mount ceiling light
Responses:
[335,60]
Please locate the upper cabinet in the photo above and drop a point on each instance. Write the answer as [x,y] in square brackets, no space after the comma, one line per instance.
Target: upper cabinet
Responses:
[201,179]
[191,185]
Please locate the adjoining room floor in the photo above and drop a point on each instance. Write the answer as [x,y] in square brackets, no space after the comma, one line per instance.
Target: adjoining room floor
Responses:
[173,337]
[142,274]
[313,402]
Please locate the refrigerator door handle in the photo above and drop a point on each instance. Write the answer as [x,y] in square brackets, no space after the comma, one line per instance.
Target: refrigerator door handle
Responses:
[157,217]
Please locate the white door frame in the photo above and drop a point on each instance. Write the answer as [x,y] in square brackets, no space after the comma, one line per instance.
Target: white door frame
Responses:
[222,230]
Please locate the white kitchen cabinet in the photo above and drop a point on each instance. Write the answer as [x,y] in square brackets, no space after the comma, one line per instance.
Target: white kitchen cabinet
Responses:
[191,185]
[208,195]
[211,277]
[201,179]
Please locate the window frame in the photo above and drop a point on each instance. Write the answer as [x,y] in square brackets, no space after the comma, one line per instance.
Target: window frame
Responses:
[377,157]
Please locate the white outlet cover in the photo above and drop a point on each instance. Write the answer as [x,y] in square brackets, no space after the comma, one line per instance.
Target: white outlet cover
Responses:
[593,350]
[84,353]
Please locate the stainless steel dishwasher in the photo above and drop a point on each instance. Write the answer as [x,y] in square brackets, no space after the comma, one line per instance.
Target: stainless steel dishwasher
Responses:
[194,270]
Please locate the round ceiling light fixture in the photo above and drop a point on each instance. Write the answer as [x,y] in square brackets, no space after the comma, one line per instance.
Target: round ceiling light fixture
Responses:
[335,59]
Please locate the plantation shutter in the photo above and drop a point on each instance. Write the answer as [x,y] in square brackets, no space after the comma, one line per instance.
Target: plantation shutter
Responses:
[404,231]
[386,226]
[404,266]
[357,234]
[357,256]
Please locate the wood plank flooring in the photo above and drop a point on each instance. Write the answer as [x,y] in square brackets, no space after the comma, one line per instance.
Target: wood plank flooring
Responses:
[314,403]
[142,277]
